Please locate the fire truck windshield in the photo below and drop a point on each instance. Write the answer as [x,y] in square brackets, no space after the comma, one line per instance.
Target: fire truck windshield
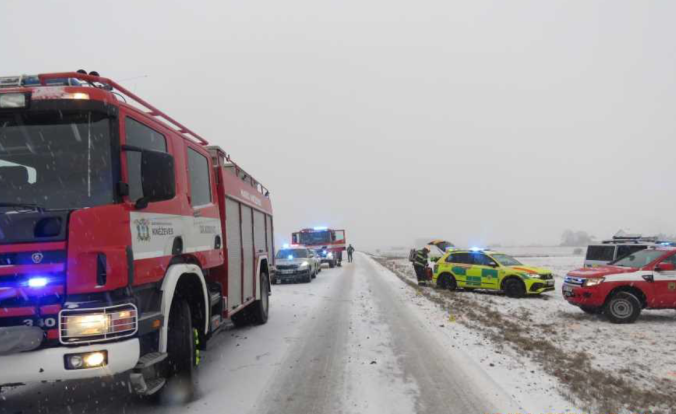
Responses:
[315,237]
[55,160]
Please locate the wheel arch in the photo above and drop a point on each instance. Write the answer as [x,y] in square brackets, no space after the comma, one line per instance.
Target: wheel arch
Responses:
[185,281]
[511,277]
[629,289]
[263,266]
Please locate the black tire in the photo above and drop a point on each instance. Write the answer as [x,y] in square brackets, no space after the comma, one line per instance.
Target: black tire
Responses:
[181,364]
[260,309]
[314,274]
[308,278]
[514,288]
[241,318]
[332,264]
[591,310]
[622,307]
[447,281]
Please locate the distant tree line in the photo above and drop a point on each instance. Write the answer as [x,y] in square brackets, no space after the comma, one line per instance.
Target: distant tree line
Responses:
[571,238]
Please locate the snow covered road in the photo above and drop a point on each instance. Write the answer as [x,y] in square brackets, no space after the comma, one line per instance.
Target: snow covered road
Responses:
[350,342]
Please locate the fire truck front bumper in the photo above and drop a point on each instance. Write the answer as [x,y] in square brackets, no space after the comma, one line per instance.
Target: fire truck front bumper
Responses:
[62,363]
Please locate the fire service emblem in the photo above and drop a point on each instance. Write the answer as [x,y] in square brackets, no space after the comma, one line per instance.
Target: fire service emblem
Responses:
[142,230]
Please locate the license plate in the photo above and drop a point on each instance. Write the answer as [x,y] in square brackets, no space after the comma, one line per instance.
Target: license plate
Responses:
[567,291]
[286,272]
[550,283]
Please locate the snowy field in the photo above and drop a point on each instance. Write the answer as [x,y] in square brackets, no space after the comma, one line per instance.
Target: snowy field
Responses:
[642,354]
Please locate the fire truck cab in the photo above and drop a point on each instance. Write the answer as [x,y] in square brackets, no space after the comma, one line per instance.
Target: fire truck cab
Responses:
[328,243]
[125,240]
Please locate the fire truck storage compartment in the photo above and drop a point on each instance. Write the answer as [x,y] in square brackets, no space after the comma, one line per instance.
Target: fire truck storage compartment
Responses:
[268,229]
[234,246]
[248,250]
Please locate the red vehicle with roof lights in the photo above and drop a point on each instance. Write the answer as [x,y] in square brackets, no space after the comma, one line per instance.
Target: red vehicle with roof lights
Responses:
[328,243]
[642,280]
[125,240]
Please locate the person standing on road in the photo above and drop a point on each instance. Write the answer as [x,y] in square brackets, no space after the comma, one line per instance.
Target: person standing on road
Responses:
[420,265]
[350,250]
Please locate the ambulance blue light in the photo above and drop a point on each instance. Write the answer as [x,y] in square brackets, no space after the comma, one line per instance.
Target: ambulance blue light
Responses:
[290,257]
[37,282]
[320,228]
[476,249]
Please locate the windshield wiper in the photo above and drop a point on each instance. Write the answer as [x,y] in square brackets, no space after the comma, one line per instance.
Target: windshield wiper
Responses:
[24,205]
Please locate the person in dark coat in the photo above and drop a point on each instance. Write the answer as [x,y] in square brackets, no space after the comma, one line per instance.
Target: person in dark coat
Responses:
[420,265]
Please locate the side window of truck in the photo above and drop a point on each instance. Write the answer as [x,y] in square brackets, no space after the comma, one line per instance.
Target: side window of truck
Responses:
[602,253]
[139,135]
[627,250]
[200,182]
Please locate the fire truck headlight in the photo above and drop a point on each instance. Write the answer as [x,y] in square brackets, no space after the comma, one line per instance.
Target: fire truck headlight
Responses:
[12,100]
[107,324]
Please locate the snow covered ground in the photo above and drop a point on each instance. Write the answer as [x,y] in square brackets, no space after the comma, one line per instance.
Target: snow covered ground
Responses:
[643,355]
[357,340]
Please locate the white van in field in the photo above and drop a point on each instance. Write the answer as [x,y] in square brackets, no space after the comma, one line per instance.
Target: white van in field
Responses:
[619,246]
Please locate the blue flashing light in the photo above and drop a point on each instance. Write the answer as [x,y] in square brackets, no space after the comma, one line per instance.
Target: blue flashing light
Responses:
[286,245]
[290,257]
[37,282]
[321,228]
[476,249]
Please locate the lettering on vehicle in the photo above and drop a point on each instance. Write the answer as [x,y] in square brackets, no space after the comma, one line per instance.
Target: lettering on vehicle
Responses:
[163,231]
[42,323]
[205,229]
[252,198]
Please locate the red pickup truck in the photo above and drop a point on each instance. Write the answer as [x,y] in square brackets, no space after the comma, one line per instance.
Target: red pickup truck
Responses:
[621,290]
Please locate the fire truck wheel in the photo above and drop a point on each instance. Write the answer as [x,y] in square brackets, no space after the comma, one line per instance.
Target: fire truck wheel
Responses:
[622,307]
[261,308]
[514,288]
[183,356]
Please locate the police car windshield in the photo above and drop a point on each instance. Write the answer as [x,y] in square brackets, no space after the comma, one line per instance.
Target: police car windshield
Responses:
[639,259]
[292,253]
[506,260]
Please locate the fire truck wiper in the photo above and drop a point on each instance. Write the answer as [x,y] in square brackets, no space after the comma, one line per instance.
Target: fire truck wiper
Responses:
[24,205]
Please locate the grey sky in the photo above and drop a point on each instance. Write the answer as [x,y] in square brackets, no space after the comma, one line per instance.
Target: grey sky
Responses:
[478,121]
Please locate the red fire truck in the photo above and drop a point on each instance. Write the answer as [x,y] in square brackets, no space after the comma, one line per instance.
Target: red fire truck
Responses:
[328,243]
[125,240]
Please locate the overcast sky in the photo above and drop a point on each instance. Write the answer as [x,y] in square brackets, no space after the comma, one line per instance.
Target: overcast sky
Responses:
[475,121]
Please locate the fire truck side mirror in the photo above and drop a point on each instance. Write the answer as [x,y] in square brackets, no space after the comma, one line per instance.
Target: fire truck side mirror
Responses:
[157,178]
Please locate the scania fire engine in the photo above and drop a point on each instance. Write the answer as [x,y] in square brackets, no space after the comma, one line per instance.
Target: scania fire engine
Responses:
[328,243]
[126,240]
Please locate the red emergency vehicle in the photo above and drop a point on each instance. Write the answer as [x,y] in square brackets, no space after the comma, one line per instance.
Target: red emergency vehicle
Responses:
[642,280]
[125,240]
[328,243]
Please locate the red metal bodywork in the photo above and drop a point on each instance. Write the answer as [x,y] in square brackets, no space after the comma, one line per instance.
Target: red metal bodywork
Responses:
[106,229]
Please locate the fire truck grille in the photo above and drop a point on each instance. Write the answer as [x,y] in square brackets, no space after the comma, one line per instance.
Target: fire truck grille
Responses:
[31,258]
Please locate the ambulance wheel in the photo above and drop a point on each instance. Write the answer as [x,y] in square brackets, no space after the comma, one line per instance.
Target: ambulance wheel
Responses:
[261,308]
[447,281]
[622,307]
[514,288]
[181,364]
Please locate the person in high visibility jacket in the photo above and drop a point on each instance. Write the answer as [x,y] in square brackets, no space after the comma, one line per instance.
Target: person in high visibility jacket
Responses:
[420,265]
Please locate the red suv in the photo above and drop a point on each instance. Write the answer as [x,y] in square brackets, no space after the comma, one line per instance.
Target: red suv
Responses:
[642,280]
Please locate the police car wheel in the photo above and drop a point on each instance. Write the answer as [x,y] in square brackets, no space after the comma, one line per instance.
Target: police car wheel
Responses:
[622,307]
[514,288]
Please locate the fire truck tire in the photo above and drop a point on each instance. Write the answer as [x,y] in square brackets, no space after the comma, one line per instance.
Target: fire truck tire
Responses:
[261,308]
[183,357]
[622,307]
[514,288]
